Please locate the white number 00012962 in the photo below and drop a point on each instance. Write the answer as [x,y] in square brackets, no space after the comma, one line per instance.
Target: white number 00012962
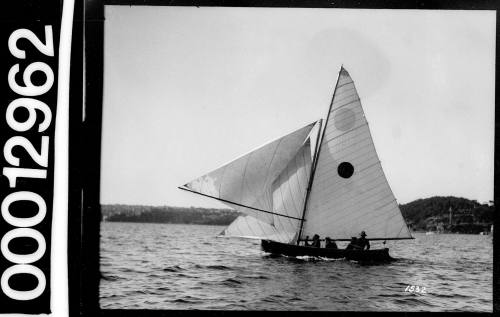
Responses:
[22,263]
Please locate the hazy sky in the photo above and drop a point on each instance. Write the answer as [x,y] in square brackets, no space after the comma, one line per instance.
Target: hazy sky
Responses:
[189,89]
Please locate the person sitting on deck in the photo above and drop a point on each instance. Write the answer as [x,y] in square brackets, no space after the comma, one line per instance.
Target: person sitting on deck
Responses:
[316,243]
[353,245]
[306,241]
[330,244]
[363,242]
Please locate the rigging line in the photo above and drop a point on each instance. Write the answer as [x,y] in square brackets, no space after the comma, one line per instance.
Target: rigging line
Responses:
[230,202]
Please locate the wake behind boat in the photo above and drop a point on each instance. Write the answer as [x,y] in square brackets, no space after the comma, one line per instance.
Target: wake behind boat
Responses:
[314,181]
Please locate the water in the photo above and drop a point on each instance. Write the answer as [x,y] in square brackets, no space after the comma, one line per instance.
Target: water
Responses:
[165,266]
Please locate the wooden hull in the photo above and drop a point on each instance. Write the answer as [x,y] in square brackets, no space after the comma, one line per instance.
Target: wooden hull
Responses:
[375,255]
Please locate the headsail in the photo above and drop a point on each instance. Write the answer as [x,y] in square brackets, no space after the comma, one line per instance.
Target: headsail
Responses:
[252,228]
[349,192]
[267,183]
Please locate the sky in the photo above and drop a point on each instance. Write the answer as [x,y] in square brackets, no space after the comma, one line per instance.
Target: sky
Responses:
[188,89]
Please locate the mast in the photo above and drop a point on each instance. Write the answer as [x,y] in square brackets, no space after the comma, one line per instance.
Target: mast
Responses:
[316,156]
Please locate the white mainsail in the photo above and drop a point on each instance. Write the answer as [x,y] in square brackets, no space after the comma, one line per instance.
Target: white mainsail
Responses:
[349,192]
[267,183]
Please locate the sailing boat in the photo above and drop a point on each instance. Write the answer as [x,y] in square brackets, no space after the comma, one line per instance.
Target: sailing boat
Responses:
[326,181]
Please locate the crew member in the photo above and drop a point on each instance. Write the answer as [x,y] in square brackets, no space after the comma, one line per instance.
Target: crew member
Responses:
[330,244]
[306,241]
[363,242]
[316,242]
[353,245]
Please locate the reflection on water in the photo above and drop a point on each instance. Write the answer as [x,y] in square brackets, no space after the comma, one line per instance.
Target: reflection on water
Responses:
[163,266]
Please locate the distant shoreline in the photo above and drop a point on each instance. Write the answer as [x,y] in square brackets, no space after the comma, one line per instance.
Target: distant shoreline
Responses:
[435,214]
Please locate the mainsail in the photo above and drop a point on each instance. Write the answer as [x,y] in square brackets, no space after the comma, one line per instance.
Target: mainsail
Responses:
[268,184]
[349,191]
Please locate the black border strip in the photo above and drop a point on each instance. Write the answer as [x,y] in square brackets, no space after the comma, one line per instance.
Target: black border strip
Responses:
[85,139]
[75,163]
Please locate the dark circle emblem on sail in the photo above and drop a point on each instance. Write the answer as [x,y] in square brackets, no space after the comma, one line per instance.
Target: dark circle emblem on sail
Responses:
[344,119]
[345,169]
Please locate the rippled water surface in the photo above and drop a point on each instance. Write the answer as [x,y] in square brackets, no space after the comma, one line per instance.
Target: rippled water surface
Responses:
[165,266]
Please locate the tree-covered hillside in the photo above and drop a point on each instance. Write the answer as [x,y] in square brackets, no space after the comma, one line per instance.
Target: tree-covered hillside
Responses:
[166,214]
[448,214]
